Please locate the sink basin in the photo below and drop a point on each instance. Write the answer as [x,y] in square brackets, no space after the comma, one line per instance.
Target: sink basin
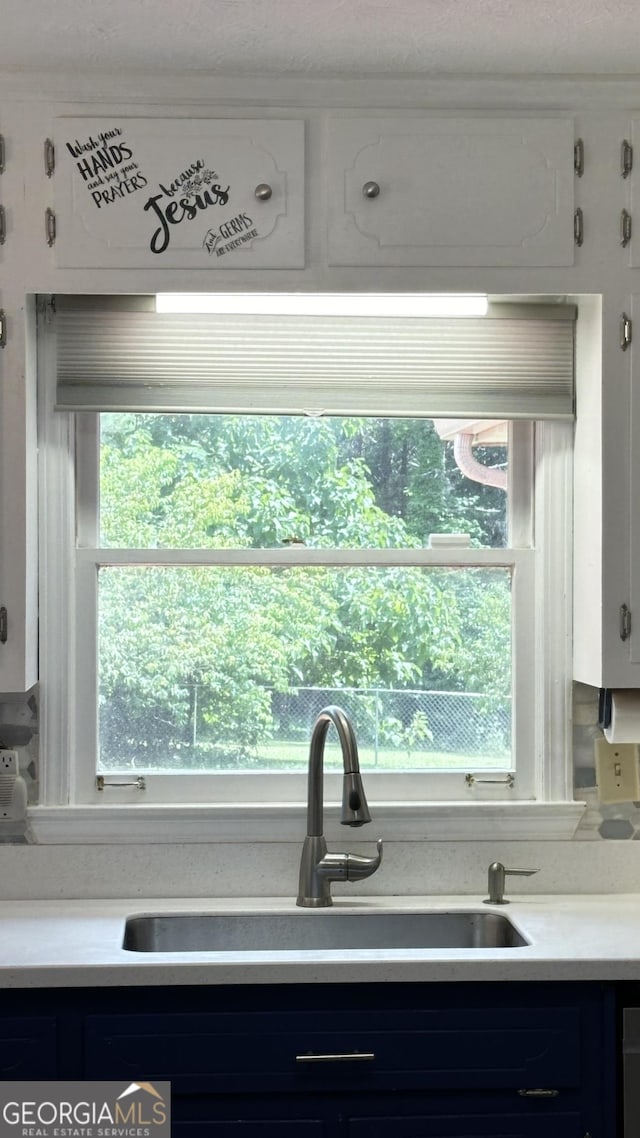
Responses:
[309,931]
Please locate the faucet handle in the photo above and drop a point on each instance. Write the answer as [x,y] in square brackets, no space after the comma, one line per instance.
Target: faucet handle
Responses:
[359,866]
[497,874]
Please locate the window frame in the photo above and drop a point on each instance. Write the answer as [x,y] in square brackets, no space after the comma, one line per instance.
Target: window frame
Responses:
[272,804]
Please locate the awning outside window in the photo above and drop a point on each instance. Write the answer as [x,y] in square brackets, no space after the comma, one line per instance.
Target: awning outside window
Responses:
[119,354]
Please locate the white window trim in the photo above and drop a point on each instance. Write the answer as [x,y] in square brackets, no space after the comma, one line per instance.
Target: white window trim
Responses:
[480,812]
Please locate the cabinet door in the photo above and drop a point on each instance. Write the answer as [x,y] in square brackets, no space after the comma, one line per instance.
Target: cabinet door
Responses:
[172,193]
[28,1048]
[451,191]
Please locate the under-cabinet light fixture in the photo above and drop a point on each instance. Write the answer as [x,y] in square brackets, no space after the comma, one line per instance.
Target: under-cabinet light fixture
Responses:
[325,304]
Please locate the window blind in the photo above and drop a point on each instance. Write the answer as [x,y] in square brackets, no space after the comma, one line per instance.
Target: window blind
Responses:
[119,354]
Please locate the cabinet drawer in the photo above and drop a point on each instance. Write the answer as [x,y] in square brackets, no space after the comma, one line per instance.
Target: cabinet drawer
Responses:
[470,1047]
[179,193]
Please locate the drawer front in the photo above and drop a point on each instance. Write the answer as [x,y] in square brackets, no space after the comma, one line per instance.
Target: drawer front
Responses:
[466,1047]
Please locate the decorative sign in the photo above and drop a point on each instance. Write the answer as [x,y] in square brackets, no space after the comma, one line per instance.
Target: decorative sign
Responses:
[107,166]
[195,189]
[230,235]
[177,192]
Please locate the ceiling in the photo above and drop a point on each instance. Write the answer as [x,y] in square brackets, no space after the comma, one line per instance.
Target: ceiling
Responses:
[352,38]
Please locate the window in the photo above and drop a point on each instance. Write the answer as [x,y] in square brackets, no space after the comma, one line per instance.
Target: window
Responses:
[226,575]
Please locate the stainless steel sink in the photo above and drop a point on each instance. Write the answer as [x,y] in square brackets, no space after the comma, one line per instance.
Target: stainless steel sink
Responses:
[310,930]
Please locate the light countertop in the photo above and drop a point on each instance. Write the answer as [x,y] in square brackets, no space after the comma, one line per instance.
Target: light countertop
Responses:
[79,943]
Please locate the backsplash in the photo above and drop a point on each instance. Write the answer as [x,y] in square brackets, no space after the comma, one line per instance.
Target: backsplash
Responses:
[619,821]
[19,732]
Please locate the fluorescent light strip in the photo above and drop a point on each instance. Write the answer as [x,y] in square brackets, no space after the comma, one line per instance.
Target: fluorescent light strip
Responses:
[324,304]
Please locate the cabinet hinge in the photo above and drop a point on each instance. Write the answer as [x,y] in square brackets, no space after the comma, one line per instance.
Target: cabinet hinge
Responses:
[626,331]
[578,226]
[3,625]
[626,158]
[46,308]
[578,157]
[3,329]
[50,226]
[626,226]
[49,157]
[625,622]
[2,152]
[3,225]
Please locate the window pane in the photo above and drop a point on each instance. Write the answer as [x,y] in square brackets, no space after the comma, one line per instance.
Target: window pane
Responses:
[216,481]
[225,668]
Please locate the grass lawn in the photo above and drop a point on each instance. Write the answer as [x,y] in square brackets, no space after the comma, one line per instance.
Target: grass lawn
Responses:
[287,756]
[290,756]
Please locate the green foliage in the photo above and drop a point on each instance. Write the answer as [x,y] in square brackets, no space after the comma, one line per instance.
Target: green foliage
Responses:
[195,652]
[406,736]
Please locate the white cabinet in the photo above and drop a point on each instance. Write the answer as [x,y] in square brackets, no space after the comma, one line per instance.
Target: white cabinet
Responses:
[606,507]
[179,193]
[451,191]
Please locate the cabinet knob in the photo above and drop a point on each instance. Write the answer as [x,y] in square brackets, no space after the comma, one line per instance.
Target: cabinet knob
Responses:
[263,192]
[370,190]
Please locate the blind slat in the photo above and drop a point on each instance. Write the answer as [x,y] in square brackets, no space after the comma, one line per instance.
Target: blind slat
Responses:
[518,363]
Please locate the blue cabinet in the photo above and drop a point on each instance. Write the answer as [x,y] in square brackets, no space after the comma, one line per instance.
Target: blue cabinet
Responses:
[28,1047]
[349,1061]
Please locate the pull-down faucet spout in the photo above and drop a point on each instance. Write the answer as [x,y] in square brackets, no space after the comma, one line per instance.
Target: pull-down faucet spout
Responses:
[318,868]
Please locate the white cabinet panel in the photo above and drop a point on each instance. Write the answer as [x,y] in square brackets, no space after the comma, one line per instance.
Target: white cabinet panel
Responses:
[452,191]
[174,193]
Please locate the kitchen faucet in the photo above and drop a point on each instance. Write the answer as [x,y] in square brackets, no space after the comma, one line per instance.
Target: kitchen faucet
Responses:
[318,867]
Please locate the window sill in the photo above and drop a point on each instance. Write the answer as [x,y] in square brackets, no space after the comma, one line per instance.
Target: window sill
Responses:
[416,821]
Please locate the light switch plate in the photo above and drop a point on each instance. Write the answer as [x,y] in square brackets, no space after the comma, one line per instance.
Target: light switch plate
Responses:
[617,771]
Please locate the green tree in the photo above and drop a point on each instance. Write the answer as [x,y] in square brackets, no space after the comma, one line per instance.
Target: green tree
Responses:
[202,649]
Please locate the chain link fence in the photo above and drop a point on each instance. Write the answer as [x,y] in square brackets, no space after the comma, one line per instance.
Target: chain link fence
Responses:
[395,728]
[410,721]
